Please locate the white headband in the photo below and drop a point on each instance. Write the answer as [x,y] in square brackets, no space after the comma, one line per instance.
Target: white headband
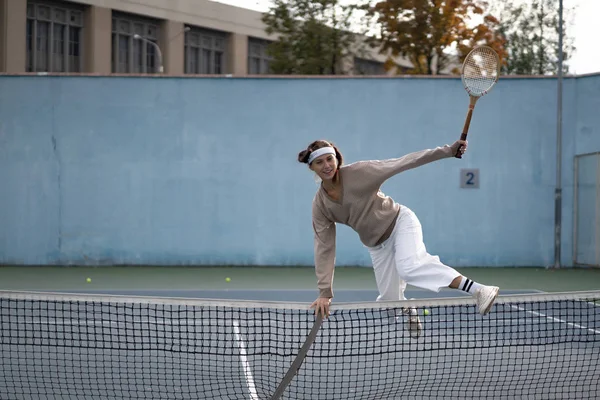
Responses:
[320,152]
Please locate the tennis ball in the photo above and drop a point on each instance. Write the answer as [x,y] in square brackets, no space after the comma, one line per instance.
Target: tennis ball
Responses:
[88,280]
[426,311]
[228,279]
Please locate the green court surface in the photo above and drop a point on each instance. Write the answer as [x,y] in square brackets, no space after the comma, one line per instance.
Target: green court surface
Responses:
[174,278]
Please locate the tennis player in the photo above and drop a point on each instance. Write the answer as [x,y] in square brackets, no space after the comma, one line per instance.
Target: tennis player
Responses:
[351,195]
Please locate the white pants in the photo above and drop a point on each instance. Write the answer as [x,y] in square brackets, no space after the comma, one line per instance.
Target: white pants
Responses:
[402,258]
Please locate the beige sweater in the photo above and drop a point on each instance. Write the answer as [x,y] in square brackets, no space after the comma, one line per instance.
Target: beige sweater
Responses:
[362,206]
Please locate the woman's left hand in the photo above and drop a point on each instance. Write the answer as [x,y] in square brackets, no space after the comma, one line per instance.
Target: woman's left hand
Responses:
[457,144]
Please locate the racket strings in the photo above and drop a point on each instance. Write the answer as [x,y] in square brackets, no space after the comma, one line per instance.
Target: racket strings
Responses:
[480,71]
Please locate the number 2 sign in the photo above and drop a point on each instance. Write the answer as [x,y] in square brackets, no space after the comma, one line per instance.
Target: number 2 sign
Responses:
[469,178]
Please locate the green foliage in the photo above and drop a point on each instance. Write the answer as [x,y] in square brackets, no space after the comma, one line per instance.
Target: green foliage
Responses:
[531,30]
[433,34]
[313,36]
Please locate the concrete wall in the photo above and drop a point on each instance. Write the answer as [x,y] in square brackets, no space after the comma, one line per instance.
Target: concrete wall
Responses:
[586,228]
[98,170]
[13,23]
[587,111]
[97,45]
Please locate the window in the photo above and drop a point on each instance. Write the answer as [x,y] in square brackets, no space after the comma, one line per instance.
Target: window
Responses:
[368,67]
[134,45]
[54,37]
[259,61]
[205,51]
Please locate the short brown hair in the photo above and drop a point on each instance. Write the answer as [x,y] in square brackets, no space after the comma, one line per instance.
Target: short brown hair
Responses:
[317,144]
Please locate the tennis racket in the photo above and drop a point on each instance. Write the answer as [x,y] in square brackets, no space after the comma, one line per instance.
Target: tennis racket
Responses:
[480,72]
[297,363]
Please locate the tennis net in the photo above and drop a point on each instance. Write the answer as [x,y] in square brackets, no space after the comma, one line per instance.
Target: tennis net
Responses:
[67,346]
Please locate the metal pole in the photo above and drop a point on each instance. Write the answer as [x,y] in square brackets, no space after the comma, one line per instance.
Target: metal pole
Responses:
[558,190]
[158,52]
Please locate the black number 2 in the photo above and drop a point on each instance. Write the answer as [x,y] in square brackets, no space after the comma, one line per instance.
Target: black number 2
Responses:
[470,180]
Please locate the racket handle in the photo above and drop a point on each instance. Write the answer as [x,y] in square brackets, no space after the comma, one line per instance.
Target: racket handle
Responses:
[472,102]
[462,137]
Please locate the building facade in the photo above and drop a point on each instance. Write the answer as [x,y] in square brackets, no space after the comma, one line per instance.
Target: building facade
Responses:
[140,36]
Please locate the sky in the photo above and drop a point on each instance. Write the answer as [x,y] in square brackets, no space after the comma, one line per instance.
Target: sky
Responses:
[584,31]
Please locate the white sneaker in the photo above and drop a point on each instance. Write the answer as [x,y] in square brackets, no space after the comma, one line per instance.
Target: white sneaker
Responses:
[485,297]
[414,323]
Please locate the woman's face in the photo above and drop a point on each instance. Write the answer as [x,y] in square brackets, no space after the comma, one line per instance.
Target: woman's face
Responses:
[325,166]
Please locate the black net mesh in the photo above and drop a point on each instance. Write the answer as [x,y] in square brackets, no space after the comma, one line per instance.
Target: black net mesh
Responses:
[55,346]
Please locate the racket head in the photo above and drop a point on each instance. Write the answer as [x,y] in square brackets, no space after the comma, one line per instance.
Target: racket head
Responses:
[480,71]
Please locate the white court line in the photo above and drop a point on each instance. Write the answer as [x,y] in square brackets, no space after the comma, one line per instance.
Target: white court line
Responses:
[558,320]
[245,365]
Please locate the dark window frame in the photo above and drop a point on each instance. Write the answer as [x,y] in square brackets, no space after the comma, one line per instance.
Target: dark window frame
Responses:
[54,37]
[259,61]
[206,51]
[130,55]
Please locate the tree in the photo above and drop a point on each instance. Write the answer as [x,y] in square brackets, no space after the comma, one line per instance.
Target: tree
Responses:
[531,30]
[313,36]
[433,34]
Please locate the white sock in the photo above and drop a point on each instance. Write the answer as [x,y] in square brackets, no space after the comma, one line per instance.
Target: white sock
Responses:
[469,286]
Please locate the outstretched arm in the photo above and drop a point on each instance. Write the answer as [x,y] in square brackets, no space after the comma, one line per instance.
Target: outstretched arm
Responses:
[380,170]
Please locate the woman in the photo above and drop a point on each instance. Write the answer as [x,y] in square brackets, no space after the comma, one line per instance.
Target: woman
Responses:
[351,195]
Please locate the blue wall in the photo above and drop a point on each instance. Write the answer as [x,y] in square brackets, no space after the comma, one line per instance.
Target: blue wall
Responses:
[99,170]
[587,112]
[587,140]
